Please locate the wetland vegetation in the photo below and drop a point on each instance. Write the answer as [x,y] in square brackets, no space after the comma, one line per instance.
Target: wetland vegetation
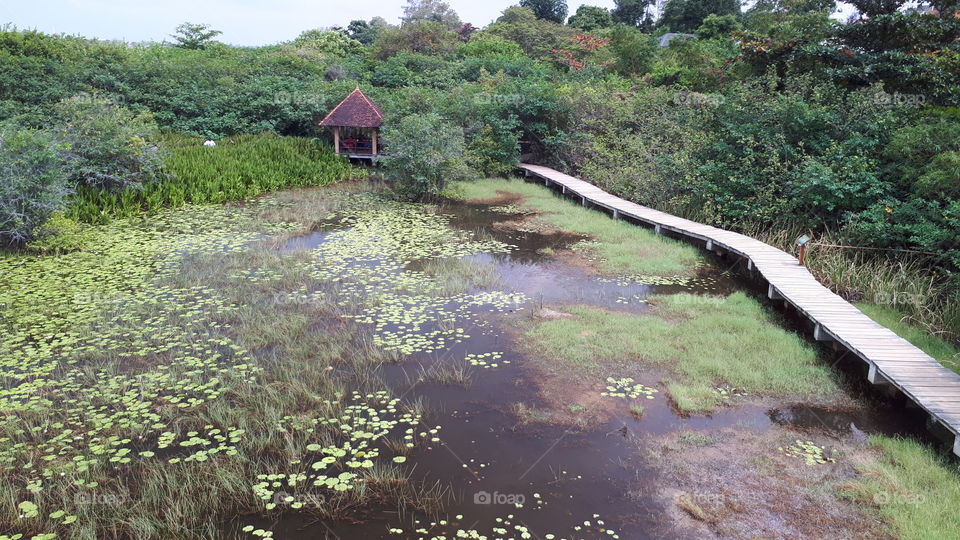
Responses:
[283,366]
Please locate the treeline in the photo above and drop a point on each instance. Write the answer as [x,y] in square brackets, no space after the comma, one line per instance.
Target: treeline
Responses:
[778,118]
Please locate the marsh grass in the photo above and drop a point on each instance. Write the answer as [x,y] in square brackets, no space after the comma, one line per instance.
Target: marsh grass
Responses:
[619,248]
[237,168]
[450,372]
[706,341]
[458,274]
[910,487]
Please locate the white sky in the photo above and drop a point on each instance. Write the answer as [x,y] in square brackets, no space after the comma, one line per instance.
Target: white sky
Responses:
[243,22]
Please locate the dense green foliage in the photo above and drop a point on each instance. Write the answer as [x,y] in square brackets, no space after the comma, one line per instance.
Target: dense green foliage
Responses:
[425,154]
[237,168]
[33,183]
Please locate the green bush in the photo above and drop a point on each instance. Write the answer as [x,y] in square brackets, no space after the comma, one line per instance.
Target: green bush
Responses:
[425,153]
[109,147]
[61,234]
[33,183]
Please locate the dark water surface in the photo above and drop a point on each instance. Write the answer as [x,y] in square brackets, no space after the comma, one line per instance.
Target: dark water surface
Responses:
[564,477]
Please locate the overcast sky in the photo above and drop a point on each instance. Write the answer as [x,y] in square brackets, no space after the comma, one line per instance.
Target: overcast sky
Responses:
[243,22]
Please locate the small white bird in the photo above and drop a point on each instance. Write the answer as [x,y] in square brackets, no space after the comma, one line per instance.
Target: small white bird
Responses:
[210,142]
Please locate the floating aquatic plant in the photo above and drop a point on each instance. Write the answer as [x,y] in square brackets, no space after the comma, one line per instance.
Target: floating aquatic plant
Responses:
[809,451]
[625,388]
[486,360]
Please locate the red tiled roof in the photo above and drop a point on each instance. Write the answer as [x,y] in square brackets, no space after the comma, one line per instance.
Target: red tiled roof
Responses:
[355,111]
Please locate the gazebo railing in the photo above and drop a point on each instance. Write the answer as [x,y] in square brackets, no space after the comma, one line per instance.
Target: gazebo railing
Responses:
[356,146]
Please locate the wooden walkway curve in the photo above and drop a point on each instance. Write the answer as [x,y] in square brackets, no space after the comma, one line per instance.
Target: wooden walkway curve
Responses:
[892,360]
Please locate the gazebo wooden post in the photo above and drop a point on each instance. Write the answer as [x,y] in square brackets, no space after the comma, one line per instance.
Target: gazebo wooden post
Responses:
[374,141]
[336,140]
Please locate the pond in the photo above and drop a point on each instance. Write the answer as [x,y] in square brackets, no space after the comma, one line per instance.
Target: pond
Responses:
[330,363]
[549,478]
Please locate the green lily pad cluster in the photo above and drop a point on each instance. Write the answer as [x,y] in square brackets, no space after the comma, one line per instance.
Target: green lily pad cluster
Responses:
[363,421]
[96,357]
[486,360]
[257,532]
[625,388]
[638,279]
[510,209]
[366,264]
[809,451]
[728,392]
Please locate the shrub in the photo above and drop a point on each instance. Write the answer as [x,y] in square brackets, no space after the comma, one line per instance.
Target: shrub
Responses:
[328,42]
[425,153]
[110,147]
[60,234]
[634,51]
[33,183]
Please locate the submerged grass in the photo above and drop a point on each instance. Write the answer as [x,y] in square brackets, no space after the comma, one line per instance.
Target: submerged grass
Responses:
[912,488]
[618,248]
[706,341]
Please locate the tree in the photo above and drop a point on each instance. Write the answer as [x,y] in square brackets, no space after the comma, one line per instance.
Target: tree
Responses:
[537,37]
[328,42]
[427,37]
[718,26]
[424,154]
[33,183]
[366,32]
[872,8]
[436,11]
[548,10]
[631,12]
[194,36]
[634,50]
[906,32]
[947,9]
[109,147]
[590,18]
[688,15]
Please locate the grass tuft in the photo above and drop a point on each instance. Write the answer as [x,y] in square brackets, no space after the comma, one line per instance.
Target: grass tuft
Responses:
[913,489]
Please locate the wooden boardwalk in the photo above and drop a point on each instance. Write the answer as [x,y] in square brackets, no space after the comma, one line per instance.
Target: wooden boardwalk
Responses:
[892,360]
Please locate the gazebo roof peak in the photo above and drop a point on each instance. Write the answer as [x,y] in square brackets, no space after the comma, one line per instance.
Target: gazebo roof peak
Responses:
[356,110]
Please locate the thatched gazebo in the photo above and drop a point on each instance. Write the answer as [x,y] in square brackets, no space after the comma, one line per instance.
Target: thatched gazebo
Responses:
[355,124]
